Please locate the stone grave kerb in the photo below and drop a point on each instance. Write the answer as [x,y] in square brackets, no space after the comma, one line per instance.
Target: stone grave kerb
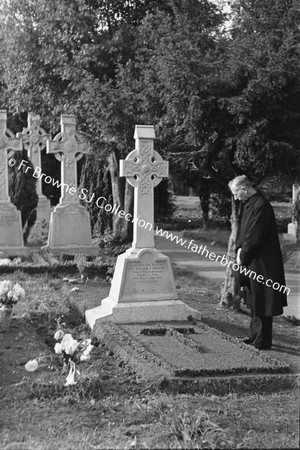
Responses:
[68,147]
[144,169]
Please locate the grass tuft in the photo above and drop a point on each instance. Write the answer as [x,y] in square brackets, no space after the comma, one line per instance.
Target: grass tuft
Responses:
[198,431]
[87,387]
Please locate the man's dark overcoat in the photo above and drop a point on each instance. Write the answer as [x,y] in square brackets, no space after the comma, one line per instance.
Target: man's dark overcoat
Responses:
[261,253]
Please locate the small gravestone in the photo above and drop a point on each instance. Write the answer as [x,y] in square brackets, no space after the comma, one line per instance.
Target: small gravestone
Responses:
[143,287]
[11,236]
[34,139]
[292,229]
[70,228]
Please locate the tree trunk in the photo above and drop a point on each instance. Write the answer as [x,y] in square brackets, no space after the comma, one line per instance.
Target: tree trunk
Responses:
[118,188]
[231,291]
[204,195]
[123,194]
[128,208]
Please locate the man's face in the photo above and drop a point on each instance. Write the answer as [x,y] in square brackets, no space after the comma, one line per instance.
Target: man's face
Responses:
[239,193]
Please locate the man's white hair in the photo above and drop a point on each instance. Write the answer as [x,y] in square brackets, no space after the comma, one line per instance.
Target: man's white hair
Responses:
[240,181]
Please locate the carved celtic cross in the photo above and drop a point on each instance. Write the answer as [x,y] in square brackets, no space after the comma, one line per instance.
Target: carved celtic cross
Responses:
[144,169]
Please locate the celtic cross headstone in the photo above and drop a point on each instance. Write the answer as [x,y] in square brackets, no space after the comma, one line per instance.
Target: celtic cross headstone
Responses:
[34,140]
[11,236]
[70,228]
[143,286]
[68,147]
[144,169]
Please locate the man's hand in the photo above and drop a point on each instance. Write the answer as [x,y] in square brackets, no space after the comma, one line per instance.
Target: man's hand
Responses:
[238,258]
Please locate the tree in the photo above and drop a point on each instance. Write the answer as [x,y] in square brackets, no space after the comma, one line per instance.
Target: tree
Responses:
[263,64]
[63,57]
[225,104]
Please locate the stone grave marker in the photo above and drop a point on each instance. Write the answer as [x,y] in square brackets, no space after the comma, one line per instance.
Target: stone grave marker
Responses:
[11,236]
[70,228]
[292,230]
[143,287]
[34,139]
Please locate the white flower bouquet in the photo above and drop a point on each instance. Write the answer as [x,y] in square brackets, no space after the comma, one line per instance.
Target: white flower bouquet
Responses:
[72,351]
[10,294]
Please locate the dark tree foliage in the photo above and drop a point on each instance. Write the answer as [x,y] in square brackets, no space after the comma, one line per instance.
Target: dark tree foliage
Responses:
[224,101]
[95,183]
[22,192]
[63,57]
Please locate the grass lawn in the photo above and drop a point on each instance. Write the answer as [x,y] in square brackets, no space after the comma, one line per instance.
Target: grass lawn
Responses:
[111,407]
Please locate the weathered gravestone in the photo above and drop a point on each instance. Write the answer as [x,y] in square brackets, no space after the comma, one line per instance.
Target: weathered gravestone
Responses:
[292,230]
[143,288]
[34,139]
[11,236]
[70,228]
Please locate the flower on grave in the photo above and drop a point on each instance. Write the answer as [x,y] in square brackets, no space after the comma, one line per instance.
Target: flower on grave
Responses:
[10,294]
[32,365]
[59,334]
[69,345]
[72,351]
[5,262]
[86,353]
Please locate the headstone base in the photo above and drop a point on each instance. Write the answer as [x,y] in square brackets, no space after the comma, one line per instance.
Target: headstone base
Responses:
[14,251]
[140,312]
[11,234]
[142,290]
[72,250]
[70,231]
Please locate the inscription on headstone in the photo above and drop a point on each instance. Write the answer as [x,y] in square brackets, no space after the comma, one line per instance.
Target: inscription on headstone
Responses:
[146,279]
[8,219]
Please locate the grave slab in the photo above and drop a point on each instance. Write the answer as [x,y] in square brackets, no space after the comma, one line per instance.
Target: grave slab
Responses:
[185,358]
[143,287]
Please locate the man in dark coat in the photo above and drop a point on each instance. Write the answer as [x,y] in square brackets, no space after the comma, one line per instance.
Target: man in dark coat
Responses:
[260,259]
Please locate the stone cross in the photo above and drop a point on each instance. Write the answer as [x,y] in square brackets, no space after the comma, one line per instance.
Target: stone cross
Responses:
[7,142]
[68,147]
[34,138]
[144,169]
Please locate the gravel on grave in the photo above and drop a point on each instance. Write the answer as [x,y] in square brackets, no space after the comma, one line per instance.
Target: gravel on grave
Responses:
[202,352]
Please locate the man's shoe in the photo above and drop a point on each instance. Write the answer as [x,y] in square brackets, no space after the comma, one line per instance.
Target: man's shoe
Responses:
[246,340]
